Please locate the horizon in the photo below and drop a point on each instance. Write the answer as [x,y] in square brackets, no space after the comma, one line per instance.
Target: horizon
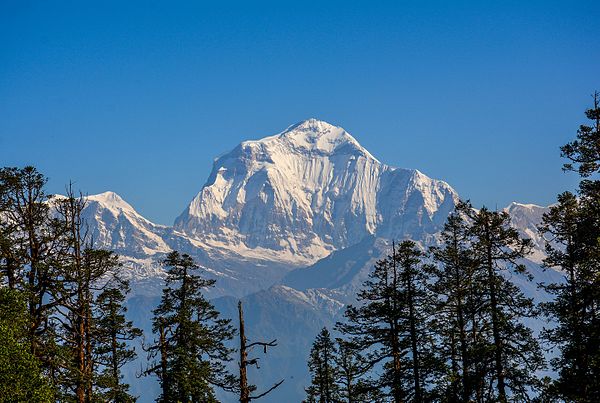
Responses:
[139,99]
[108,191]
[307,178]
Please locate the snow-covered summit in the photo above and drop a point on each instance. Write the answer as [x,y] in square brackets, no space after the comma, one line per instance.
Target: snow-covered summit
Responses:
[312,136]
[309,190]
[526,218]
[283,202]
[113,202]
[116,225]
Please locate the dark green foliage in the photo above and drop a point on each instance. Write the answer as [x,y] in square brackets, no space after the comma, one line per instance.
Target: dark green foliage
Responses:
[572,228]
[31,241]
[584,152]
[83,273]
[350,369]
[21,378]
[190,352]
[114,332]
[321,364]
[390,325]
[458,321]
[513,354]
[46,255]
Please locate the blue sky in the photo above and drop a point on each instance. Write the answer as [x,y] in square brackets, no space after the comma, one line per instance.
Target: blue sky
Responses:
[139,98]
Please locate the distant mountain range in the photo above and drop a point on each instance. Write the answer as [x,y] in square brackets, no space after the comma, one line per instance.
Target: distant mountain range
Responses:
[291,223]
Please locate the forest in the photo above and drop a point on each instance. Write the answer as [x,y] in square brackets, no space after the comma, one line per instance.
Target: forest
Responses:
[438,324]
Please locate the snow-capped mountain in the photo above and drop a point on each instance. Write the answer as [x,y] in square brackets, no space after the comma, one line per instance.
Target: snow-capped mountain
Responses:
[117,226]
[292,224]
[308,191]
[526,218]
[283,202]
[112,223]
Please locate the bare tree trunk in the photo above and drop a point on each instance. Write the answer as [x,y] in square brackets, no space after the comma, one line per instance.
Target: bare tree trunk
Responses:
[414,341]
[163,364]
[245,388]
[397,391]
[244,392]
[499,367]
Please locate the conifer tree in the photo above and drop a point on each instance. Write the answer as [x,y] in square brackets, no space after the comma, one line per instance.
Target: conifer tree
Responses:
[84,270]
[514,353]
[190,353]
[21,378]
[31,243]
[390,325]
[584,152]
[457,321]
[111,348]
[45,253]
[321,364]
[350,370]
[572,228]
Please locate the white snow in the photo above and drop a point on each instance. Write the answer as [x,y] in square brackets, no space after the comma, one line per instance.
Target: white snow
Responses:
[307,191]
[289,199]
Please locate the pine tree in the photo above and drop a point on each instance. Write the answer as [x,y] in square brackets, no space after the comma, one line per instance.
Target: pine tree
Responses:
[457,321]
[31,243]
[572,227]
[584,152]
[84,270]
[111,349]
[390,325]
[514,353]
[321,364]
[190,353]
[350,370]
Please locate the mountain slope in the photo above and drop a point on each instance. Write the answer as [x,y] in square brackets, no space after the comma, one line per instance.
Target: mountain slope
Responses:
[291,224]
[308,191]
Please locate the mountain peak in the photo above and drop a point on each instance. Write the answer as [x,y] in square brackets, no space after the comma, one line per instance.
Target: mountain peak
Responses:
[313,124]
[318,135]
[530,206]
[312,136]
[108,196]
[113,202]
[309,190]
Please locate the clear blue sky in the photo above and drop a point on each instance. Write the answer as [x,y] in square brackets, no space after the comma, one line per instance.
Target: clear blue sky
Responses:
[139,98]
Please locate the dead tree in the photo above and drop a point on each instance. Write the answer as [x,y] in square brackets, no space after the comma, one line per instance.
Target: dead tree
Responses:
[245,388]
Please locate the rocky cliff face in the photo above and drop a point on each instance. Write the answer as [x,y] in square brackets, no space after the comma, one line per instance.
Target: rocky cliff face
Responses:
[283,202]
[308,191]
[292,224]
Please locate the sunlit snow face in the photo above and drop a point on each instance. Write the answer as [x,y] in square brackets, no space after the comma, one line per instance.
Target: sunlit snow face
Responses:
[307,191]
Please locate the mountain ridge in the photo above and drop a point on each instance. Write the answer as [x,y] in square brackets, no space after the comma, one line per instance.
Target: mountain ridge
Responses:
[308,190]
[291,224]
[327,194]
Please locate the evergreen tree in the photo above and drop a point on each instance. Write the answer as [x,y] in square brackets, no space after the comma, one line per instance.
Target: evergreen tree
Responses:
[21,379]
[390,325]
[190,353]
[457,322]
[584,152]
[572,227]
[321,364]
[84,273]
[31,242]
[46,254]
[350,370]
[114,332]
[514,354]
